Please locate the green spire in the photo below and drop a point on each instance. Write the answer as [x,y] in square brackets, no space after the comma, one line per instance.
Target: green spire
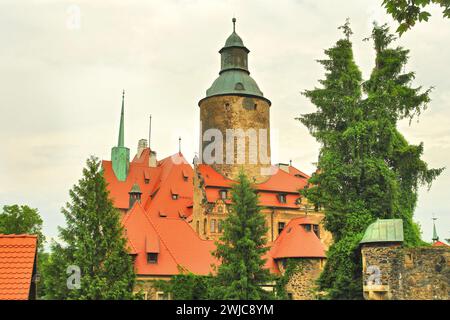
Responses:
[121,142]
[435,236]
[120,155]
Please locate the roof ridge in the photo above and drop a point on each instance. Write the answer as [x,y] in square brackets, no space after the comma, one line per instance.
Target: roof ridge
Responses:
[20,235]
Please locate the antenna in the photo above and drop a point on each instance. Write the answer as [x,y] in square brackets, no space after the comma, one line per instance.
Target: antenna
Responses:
[150,132]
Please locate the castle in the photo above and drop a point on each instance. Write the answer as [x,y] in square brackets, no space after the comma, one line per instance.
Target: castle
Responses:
[173,212]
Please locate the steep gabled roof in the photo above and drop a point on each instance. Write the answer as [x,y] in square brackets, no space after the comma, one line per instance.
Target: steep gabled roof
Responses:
[17,262]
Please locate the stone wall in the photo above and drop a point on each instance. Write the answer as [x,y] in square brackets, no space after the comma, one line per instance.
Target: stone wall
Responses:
[398,273]
[302,284]
[236,112]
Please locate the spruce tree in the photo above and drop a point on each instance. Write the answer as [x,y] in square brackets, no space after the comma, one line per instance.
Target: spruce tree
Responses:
[93,241]
[366,168]
[241,247]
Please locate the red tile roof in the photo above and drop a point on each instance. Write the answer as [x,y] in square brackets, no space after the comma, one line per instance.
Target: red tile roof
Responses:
[440,244]
[296,241]
[17,259]
[160,223]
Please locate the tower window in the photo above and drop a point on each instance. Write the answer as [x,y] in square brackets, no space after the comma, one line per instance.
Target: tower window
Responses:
[239,86]
[152,257]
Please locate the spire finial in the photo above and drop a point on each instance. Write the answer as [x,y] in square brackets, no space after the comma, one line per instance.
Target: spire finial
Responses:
[435,236]
[234,24]
[179,144]
[121,142]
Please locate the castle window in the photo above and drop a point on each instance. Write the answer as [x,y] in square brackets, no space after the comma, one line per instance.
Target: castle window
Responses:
[281,226]
[197,227]
[174,197]
[146,181]
[316,230]
[223,194]
[213,226]
[307,227]
[219,226]
[152,257]
[204,226]
[239,86]
[282,198]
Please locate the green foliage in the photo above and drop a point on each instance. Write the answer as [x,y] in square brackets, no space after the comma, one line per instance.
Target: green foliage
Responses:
[94,241]
[292,266]
[408,12]
[241,248]
[186,287]
[22,219]
[366,169]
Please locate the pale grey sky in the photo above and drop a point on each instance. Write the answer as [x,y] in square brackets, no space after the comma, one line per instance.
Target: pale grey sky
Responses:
[61,83]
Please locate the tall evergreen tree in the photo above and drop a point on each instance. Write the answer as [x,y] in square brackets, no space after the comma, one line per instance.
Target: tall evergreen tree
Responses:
[241,248]
[367,170]
[94,242]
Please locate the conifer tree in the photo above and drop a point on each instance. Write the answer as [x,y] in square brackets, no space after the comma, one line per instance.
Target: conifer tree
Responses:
[241,248]
[93,241]
[366,168]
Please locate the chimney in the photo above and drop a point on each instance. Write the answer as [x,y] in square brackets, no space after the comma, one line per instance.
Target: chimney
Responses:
[284,167]
[152,159]
[142,144]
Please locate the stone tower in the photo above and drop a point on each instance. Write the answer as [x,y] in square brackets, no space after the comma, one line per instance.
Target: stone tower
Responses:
[235,118]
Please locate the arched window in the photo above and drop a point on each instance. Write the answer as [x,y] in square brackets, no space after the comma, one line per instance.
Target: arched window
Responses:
[197,227]
[205,223]
[220,226]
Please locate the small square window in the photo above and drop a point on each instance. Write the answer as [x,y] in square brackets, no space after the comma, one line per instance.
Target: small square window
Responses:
[174,197]
[146,181]
[281,226]
[152,257]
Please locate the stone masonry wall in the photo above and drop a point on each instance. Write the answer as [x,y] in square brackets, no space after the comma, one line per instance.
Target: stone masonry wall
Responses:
[302,283]
[406,273]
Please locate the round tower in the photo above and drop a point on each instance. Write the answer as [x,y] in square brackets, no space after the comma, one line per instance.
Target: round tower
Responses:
[235,117]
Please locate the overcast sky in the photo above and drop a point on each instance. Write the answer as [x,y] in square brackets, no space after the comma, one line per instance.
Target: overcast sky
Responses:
[61,80]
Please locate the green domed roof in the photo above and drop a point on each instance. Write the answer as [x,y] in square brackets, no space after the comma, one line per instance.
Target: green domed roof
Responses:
[384,230]
[234,41]
[234,81]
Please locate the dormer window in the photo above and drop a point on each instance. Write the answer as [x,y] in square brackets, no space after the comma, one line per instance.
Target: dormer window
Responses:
[281,226]
[152,257]
[316,230]
[174,197]
[307,227]
[223,194]
[282,198]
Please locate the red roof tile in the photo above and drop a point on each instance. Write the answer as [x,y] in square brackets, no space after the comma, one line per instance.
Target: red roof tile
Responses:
[17,258]
[440,244]
[296,241]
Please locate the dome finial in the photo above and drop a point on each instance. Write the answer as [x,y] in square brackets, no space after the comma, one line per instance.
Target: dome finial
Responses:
[234,24]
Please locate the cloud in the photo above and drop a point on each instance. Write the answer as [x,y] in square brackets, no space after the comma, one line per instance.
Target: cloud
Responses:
[61,86]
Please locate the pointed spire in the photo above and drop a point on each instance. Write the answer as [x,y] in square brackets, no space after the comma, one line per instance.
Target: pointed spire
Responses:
[121,142]
[234,24]
[179,144]
[435,236]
